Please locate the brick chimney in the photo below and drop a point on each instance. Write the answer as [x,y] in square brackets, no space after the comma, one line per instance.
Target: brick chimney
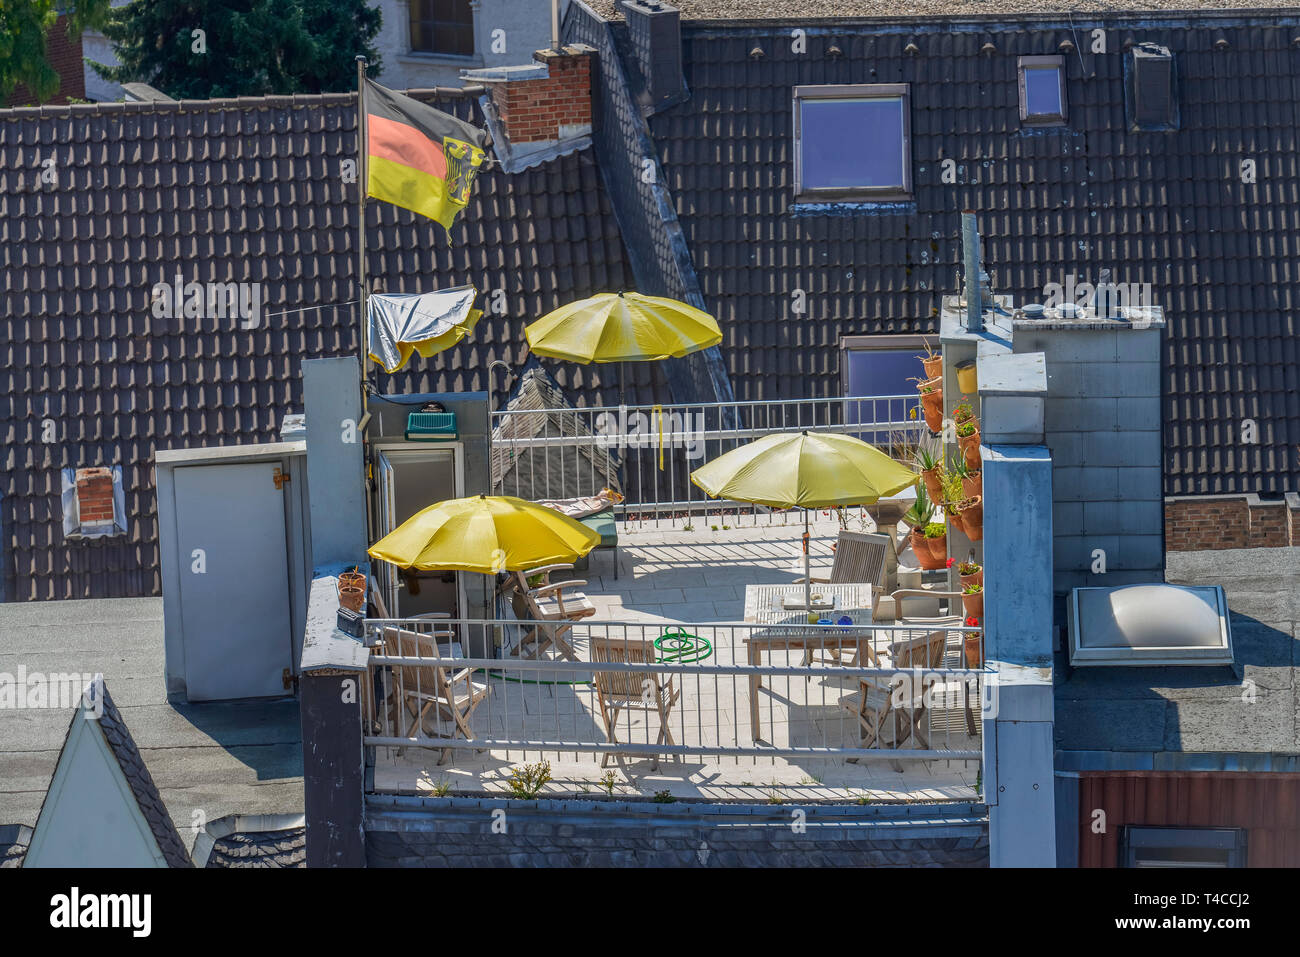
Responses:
[94,498]
[539,105]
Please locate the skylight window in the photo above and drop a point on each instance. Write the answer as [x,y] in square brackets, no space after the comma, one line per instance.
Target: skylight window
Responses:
[852,143]
[1042,90]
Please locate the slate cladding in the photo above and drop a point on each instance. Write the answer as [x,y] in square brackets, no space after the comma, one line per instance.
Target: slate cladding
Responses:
[1166,208]
[248,190]
[457,832]
[270,849]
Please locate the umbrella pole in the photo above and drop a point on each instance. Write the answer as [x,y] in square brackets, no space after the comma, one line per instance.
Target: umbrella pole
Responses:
[807,565]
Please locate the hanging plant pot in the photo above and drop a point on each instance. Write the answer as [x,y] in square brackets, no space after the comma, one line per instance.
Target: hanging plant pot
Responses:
[970,448]
[929,555]
[971,511]
[972,484]
[955,519]
[971,578]
[933,484]
[974,604]
[932,402]
[974,651]
[966,378]
[933,366]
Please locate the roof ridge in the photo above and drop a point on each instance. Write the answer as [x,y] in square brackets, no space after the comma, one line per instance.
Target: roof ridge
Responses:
[268,102]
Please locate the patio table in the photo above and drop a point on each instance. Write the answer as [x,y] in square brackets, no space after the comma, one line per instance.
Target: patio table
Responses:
[765,605]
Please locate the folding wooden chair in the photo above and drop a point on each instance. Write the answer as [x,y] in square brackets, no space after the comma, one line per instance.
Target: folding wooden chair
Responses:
[617,691]
[436,687]
[553,613]
[877,698]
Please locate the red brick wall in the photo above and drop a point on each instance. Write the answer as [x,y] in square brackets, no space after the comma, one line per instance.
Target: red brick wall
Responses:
[94,497]
[534,110]
[1242,521]
[65,57]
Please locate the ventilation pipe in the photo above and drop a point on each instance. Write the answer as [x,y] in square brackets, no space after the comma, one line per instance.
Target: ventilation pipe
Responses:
[970,244]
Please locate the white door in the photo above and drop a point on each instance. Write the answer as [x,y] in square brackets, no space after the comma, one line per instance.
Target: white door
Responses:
[234,572]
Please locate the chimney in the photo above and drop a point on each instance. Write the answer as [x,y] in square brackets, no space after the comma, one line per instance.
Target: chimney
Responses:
[1150,88]
[94,498]
[539,104]
[655,31]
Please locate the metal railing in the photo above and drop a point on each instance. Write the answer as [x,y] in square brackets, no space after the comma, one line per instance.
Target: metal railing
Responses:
[632,691]
[646,453]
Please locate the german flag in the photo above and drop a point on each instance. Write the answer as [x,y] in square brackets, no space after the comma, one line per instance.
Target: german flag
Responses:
[417,157]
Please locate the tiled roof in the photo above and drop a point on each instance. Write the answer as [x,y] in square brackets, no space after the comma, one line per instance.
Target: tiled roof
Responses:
[1165,208]
[232,190]
[789,10]
[273,849]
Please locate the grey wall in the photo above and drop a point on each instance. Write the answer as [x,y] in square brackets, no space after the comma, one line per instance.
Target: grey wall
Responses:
[527,26]
[459,832]
[331,398]
[1103,427]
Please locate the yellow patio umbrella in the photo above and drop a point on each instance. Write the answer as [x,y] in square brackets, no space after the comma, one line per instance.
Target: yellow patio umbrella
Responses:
[485,534]
[622,327]
[804,470]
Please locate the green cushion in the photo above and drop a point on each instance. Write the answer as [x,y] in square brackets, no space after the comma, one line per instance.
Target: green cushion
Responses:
[602,523]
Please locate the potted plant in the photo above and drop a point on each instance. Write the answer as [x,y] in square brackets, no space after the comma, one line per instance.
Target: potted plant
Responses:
[971,511]
[932,361]
[931,472]
[972,480]
[973,642]
[964,413]
[918,516]
[972,573]
[968,437]
[931,401]
[972,599]
[933,545]
[954,517]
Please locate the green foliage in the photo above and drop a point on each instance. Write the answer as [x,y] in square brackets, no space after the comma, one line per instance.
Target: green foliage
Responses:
[951,484]
[664,797]
[442,788]
[968,568]
[936,530]
[24,34]
[963,411]
[921,510]
[972,589]
[609,781]
[965,429]
[247,47]
[527,782]
[926,459]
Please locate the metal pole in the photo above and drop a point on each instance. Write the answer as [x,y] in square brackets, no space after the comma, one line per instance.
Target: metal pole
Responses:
[807,565]
[970,242]
[363,332]
[555,25]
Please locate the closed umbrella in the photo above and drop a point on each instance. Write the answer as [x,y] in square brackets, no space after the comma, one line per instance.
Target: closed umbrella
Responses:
[804,470]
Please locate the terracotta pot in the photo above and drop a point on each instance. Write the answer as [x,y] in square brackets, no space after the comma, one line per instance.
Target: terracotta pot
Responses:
[970,448]
[976,579]
[933,366]
[932,404]
[352,579]
[974,652]
[352,597]
[928,554]
[955,520]
[974,605]
[972,517]
[933,485]
[972,485]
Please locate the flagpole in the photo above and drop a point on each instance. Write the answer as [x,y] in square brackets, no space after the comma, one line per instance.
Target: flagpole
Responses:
[363,331]
[362,179]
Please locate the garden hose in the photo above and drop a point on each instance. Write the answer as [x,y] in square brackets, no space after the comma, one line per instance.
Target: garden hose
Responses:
[682,647]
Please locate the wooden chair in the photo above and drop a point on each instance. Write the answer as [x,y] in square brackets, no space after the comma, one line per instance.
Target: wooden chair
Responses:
[617,691]
[551,611]
[419,689]
[862,557]
[876,698]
